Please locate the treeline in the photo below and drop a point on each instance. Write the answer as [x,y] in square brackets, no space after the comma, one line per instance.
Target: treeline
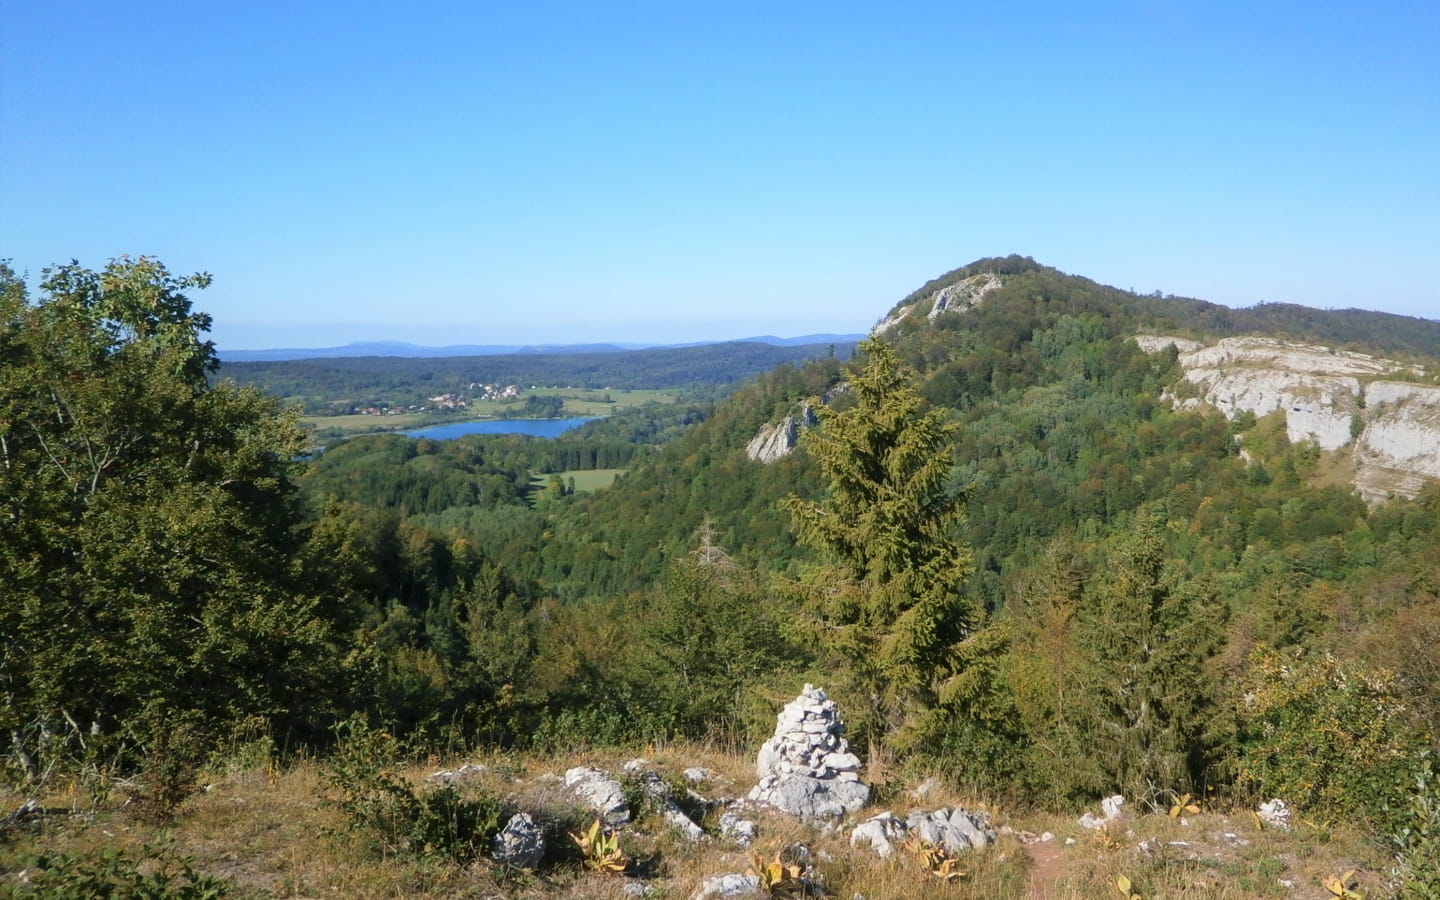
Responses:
[369,381]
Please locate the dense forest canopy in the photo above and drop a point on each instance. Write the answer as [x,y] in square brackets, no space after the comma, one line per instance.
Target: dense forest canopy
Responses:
[1000,545]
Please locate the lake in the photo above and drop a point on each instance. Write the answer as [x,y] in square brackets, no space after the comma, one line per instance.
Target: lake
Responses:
[547,428]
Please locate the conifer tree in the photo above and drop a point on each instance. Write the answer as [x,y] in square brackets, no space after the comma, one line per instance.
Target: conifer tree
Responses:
[889,597]
[1145,704]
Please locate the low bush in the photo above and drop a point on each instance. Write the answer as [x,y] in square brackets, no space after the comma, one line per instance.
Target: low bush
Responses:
[378,803]
[156,874]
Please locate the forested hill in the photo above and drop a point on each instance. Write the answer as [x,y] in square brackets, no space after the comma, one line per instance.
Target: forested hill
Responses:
[665,367]
[1367,331]
[1059,424]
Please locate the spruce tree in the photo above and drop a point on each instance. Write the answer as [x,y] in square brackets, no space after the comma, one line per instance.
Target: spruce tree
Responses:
[889,595]
[1145,705]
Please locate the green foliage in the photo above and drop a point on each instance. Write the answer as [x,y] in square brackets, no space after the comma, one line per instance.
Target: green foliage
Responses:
[601,849]
[148,521]
[708,637]
[155,874]
[1416,840]
[1147,699]
[890,594]
[380,805]
[169,767]
[1327,736]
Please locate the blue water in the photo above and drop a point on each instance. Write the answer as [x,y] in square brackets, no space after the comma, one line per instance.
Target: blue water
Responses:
[548,428]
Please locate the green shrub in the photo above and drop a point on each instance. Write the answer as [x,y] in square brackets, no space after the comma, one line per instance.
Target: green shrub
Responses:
[378,803]
[1417,840]
[112,875]
[1327,737]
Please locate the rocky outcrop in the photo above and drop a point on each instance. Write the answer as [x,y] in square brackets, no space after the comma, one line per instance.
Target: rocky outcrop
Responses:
[962,295]
[1336,399]
[773,442]
[1399,449]
[806,768]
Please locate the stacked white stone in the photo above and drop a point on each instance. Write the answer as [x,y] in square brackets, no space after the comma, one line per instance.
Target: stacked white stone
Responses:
[806,768]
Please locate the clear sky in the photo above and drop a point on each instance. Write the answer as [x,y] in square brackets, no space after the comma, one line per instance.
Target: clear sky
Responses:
[516,172]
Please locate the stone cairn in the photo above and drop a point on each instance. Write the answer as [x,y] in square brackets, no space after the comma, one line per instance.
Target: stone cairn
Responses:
[806,769]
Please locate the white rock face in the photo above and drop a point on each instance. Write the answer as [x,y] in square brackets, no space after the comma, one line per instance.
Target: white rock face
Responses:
[1324,395]
[1154,343]
[1317,407]
[773,442]
[961,295]
[1400,447]
[806,768]
[1269,353]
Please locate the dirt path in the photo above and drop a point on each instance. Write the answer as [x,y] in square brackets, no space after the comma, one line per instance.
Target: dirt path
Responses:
[1047,864]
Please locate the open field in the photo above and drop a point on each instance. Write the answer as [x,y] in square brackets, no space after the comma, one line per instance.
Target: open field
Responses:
[291,831]
[360,424]
[578,402]
[585,479]
[583,402]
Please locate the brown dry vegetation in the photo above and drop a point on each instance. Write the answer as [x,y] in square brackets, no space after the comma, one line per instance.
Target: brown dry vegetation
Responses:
[278,833]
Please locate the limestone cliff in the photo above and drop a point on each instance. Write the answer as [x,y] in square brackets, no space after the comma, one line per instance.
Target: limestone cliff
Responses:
[956,297]
[1338,399]
[774,441]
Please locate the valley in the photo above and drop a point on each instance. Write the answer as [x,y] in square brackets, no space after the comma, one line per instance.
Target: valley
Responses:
[1042,541]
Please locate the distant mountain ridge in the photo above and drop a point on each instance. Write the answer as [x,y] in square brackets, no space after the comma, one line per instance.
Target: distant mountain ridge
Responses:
[406,350]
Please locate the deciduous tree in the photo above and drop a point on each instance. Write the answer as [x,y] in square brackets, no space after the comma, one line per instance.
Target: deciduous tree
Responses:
[145,553]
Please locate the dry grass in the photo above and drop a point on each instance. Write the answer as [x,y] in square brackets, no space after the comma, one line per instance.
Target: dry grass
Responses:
[273,834]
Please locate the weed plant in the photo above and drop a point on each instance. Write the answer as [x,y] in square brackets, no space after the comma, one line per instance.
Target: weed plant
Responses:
[378,803]
[156,873]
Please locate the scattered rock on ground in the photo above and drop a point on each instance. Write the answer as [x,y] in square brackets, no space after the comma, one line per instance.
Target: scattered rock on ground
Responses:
[1110,811]
[521,843]
[880,833]
[731,885]
[1275,814]
[741,831]
[466,771]
[600,792]
[957,830]
[658,791]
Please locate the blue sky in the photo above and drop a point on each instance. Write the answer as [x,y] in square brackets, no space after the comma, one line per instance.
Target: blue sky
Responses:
[496,172]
